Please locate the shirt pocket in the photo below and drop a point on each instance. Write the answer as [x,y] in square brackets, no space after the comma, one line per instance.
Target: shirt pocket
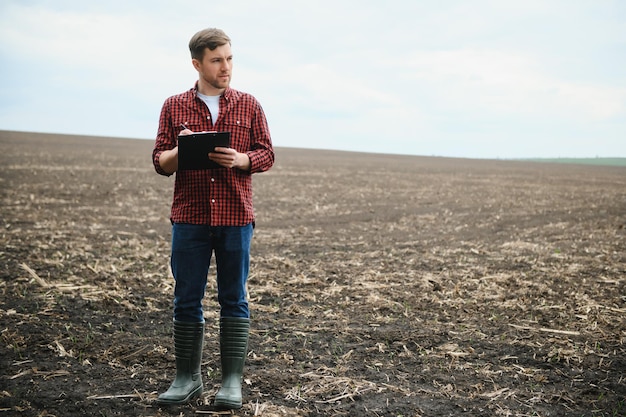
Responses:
[239,128]
[194,123]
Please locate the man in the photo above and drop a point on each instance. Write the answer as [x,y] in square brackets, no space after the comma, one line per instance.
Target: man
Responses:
[212,213]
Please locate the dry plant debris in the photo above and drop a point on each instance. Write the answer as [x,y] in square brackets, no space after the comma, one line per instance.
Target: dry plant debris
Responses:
[381,285]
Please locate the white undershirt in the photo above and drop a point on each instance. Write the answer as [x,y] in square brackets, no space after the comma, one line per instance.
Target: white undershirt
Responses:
[213,103]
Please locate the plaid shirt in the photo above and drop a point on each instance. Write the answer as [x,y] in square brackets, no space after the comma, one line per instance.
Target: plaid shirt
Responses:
[222,196]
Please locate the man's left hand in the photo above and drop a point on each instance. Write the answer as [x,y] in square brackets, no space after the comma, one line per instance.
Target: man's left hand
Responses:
[230,158]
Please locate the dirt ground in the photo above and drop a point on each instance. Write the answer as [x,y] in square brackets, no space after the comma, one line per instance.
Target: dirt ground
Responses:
[380,286]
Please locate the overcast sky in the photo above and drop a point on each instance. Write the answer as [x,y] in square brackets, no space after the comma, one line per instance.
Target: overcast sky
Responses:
[466,78]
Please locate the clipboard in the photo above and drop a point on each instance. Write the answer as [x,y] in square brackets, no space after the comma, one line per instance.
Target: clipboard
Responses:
[193,149]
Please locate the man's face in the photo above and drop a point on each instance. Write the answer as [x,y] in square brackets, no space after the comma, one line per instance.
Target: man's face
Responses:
[215,67]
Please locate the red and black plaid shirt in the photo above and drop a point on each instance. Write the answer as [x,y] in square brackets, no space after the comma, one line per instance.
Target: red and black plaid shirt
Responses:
[222,196]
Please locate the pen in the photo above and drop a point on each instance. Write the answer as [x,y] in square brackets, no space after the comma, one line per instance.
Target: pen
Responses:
[183,126]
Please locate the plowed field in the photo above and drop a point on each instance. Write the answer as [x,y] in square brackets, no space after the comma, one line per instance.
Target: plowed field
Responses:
[380,285]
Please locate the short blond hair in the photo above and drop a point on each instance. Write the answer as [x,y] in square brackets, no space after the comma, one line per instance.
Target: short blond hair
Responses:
[207,38]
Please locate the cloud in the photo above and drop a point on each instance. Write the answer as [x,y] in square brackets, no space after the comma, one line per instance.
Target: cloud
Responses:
[494,82]
[114,50]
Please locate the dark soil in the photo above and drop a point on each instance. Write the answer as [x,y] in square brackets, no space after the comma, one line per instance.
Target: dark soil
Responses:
[381,285]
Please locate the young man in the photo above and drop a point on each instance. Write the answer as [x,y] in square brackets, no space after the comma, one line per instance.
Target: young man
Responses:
[212,213]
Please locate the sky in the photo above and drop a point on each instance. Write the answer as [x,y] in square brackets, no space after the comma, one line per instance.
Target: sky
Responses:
[457,78]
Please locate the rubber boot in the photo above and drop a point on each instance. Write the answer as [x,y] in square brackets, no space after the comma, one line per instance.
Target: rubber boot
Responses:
[188,343]
[233,348]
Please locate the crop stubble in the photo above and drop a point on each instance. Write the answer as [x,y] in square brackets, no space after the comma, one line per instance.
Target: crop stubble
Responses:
[380,285]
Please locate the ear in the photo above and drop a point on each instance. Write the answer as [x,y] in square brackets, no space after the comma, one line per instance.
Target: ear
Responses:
[196,64]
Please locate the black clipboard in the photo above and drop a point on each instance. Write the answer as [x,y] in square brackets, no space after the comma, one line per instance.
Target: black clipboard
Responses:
[193,149]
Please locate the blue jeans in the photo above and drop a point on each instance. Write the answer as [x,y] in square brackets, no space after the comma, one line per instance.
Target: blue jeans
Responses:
[192,248]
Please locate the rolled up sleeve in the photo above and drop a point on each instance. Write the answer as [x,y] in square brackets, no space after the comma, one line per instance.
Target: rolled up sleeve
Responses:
[165,139]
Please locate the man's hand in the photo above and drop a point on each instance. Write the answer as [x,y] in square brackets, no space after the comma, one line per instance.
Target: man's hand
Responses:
[230,158]
[169,160]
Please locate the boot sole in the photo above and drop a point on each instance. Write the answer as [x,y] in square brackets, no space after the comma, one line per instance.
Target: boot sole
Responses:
[191,396]
[225,405]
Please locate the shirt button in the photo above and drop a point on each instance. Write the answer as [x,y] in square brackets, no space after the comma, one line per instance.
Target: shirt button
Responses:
[212,179]
[212,200]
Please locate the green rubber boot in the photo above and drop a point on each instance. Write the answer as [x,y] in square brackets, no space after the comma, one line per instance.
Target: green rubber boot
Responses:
[233,348]
[188,341]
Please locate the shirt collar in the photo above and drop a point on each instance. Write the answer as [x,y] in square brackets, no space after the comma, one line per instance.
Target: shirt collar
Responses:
[227,94]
